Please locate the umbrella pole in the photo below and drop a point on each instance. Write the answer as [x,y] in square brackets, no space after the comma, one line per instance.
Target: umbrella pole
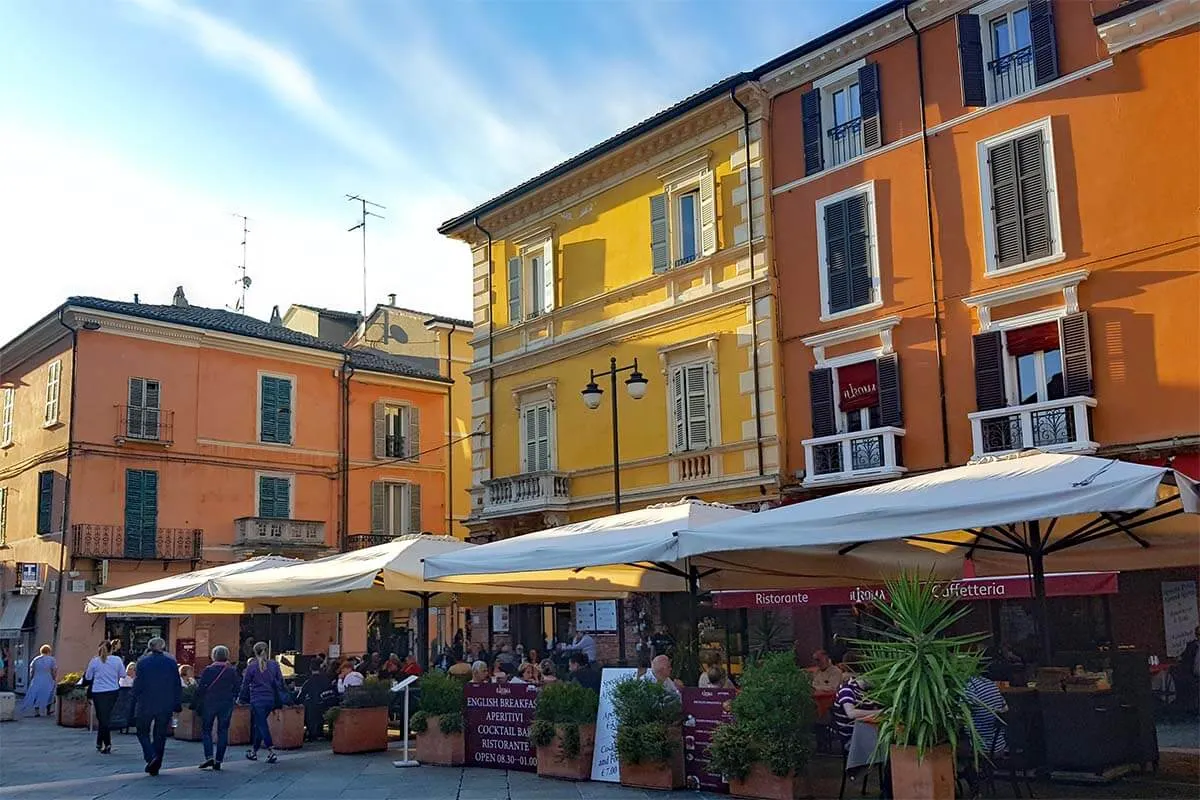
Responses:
[1037,564]
[423,633]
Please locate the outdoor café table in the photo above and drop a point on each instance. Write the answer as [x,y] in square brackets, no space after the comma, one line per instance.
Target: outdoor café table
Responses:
[861,751]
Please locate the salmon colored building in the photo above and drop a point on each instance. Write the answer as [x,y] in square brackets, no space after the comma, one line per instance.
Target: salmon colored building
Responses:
[143,440]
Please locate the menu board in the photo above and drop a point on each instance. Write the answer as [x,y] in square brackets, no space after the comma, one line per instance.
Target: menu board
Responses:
[499,619]
[1179,614]
[185,651]
[606,615]
[703,711]
[497,722]
[605,766]
[585,615]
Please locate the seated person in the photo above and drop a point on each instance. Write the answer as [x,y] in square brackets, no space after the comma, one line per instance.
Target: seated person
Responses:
[986,704]
[715,678]
[850,704]
[826,678]
[480,672]
[348,676]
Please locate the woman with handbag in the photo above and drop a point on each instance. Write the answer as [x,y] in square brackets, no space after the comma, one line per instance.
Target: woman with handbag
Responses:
[103,677]
[216,691]
[262,688]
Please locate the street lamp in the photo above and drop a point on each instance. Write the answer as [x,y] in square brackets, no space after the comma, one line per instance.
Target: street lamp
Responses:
[592,395]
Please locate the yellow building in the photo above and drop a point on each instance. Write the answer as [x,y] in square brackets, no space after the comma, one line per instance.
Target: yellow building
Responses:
[651,248]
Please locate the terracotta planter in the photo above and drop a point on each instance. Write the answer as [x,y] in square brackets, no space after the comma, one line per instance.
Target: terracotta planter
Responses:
[239,726]
[764,784]
[552,763]
[287,727]
[441,749]
[930,779]
[188,727]
[659,775]
[361,730]
[73,713]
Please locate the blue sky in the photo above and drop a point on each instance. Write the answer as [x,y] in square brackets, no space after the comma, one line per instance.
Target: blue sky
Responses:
[132,131]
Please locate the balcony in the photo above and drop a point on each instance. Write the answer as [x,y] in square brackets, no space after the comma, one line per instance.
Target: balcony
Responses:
[694,467]
[534,491]
[112,541]
[855,456]
[1056,426]
[147,425]
[361,541]
[265,534]
[1011,75]
[845,141]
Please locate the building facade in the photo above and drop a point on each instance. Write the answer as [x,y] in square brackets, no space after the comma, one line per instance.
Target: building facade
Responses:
[141,440]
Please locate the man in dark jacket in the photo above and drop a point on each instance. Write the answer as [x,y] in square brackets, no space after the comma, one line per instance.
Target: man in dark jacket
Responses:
[157,694]
[584,672]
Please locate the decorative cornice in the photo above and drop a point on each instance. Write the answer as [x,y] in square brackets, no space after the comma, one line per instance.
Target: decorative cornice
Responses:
[863,330]
[1147,24]
[1067,283]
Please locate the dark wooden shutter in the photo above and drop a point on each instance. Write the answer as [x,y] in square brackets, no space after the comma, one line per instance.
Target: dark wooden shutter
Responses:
[820,389]
[1006,217]
[268,411]
[989,371]
[890,410]
[414,508]
[970,60]
[283,498]
[266,497]
[149,513]
[858,250]
[1045,48]
[412,443]
[1076,354]
[379,430]
[1036,241]
[45,504]
[378,507]
[869,100]
[837,256]
[810,110]
[660,250]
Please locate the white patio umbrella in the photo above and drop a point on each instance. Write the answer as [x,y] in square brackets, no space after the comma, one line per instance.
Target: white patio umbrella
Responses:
[186,593]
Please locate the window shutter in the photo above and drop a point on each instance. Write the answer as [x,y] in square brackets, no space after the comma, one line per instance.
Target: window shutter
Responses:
[529,451]
[412,443]
[678,412]
[890,409]
[837,257]
[660,251]
[283,396]
[869,101]
[283,498]
[542,416]
[266,497]
[149,512]
[548,276]
[708,214]
[276,411]
[135,417]
[413,495]
[378,507]
[267,410]
[53,385]
[379,428]
[1045,49]
[810,111]
[1006,217]
[3,515]
[820,389]
[697,403]
[970,60]
[514,291]
[150,412]
[1076,355]
[989,370]
[1033,197]
[858,251]
[45,504]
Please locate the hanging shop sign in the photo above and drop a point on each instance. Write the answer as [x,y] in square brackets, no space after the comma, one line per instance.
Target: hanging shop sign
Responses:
[497,722]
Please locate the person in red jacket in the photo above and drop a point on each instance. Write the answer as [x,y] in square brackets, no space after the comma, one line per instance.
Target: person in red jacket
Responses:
[411,667]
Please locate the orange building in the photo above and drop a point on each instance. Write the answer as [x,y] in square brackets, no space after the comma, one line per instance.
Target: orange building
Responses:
[985,235]
[141,440]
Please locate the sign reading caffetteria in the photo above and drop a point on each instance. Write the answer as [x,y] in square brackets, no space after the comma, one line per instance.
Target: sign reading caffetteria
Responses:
[497,722]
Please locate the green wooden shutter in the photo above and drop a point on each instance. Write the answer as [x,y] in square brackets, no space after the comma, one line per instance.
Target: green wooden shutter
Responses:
[514,291]
[970,60]
[268,411]
[149,513]
[45,505]
[810,112]
[1045,48]
[141,513]
[283,498]
[820,395]
[276,410]
[660,250]
[266,496]
[870,103]
[837,257]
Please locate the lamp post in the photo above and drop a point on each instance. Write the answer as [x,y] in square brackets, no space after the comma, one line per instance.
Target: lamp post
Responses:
[592,394]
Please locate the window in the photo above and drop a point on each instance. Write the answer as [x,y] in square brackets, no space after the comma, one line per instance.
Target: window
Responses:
[1034,363]
[849,274]
[141,513]
[275,496]
[395,508]
[531,280]
[53,390]
[143,415]
[45,504]
[841,116]
[397,431]
[1020,203]
[683,219]
[275,420]
[537,437]
[855,397]
[1034,367]
[6,416]
[1006,49]
[3,515]
[691,406]
[687,220]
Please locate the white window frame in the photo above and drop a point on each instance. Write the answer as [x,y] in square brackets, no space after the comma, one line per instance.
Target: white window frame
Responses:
[988,13]
[1010,362]
[841,78]
[868,189]
[675,222]
[53,393]
[402,487]
[7,412]
[290,477]
[682,361]
[683,180]
[258,409]
[985,199]
[864,414]
[551,434]
[534,302]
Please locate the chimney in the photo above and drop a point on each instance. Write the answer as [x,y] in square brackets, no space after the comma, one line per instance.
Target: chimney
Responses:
[276,320]
[180,299]
[136,301]
[392,299]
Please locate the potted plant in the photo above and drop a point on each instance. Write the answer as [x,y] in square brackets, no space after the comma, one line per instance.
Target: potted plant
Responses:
[287,727]
[919,675]
[187,721]
[72,701]
[360,723]
[439,722]
[239,725]
[765,751]
[564,730]
[649,740]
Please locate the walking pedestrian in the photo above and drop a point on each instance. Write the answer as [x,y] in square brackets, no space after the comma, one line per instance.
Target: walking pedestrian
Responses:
[104,672]
[262,688]
[157,694]
[43,673]
[216,691]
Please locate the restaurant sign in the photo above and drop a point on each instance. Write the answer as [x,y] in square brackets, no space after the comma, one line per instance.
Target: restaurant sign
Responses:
[704,710]
[1010,587]
[497,724]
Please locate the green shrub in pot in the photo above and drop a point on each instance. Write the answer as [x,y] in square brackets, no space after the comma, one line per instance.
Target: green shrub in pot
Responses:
[564,705]
[441,697]
[647,714]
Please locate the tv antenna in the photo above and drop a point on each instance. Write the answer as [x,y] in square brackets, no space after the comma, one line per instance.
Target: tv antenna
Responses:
[243,283]
[362,225]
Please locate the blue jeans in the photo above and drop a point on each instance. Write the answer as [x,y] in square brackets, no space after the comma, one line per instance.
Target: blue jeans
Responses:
[221,716]
[260,731]
[153,748]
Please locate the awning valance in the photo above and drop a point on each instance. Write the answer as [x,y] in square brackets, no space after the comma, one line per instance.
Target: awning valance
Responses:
[16,616]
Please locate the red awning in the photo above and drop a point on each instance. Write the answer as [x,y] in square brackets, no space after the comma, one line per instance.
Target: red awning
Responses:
[1010,587]
[1023,341]
[858,386]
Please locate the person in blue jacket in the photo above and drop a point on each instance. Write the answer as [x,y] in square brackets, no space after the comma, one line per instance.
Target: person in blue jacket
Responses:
[157,694]
[216,692]
[262,688]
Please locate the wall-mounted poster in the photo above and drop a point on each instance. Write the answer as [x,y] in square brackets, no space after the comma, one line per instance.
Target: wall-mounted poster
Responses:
[499,619]
[585,615]
[606,615]
[1180,616]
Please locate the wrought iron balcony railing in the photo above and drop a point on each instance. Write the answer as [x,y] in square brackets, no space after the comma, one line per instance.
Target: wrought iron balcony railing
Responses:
[1061,426]
[845,141]
[116,541]
[360,541]
[1011,74]
[140,424]
[855,456]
